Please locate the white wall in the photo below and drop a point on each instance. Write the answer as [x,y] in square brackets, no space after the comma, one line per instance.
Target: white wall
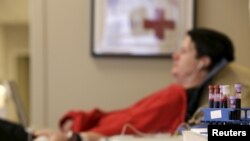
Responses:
[64,75]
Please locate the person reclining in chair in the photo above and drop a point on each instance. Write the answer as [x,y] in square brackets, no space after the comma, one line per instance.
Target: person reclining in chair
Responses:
[203,54]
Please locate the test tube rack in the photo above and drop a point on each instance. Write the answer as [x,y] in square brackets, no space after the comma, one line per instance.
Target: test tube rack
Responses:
[224,116]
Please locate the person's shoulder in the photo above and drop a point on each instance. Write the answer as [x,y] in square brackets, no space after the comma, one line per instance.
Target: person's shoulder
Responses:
[176,86]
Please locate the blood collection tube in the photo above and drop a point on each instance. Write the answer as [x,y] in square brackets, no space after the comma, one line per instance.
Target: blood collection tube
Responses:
[216,96]
[221,96]
[232,104]
[211,96]
[225,91]
[238,92]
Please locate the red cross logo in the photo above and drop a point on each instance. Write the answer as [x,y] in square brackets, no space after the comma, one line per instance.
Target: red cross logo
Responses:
[159,24]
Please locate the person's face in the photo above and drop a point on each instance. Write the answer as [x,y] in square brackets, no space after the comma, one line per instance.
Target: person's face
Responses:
[185,62]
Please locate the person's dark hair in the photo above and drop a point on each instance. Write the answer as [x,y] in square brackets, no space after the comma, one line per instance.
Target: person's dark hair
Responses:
[213,44]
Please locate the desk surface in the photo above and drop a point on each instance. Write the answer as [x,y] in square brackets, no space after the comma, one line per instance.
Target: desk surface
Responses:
[193,136]
[157,137]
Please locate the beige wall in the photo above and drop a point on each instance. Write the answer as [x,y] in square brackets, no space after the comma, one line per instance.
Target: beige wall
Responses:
[13,46]
[231,17]
[64,75]
[13,35]
[13,11]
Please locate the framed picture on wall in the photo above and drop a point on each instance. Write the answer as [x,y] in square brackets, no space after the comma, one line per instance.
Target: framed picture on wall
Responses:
[139,28]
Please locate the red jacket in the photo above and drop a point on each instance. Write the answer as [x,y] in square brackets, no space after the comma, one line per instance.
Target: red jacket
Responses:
[161,111]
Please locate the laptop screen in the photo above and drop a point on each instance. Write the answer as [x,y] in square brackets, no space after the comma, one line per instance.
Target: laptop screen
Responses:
[13,94]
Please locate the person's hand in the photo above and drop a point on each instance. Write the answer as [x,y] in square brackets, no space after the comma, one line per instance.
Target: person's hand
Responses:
[51,135]
[67,126]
